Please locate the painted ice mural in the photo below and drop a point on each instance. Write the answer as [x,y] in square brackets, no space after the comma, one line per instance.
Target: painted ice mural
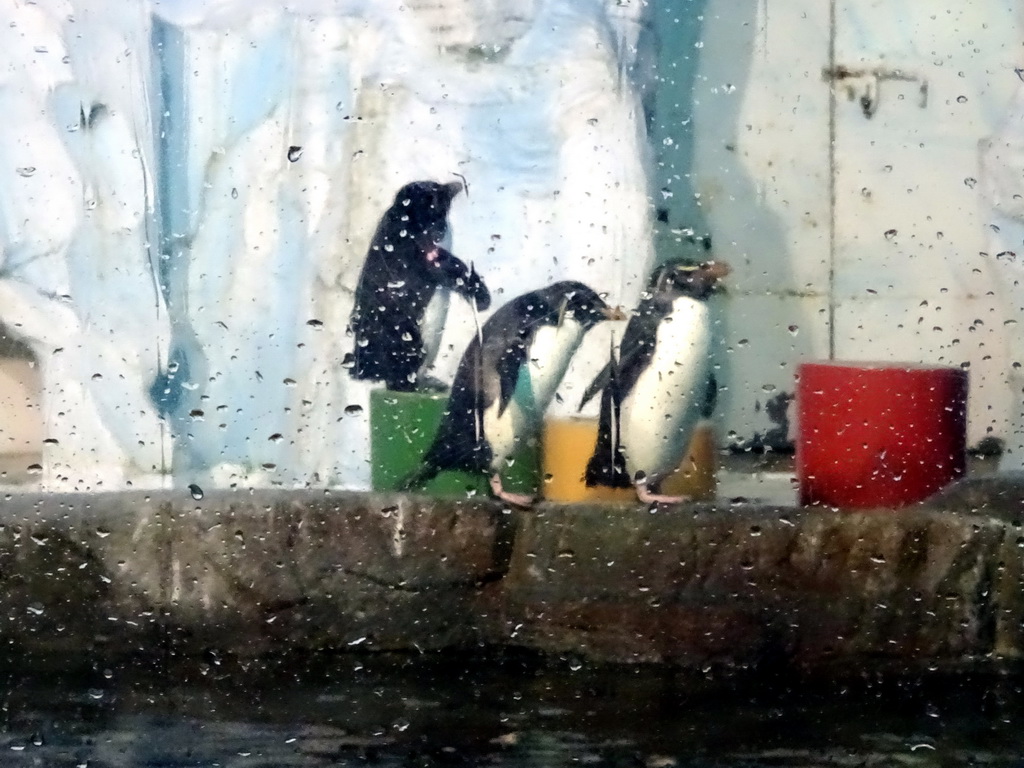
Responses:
[76,226]
[207,177]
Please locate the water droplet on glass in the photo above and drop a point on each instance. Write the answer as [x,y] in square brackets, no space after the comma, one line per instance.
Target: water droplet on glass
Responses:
[314,323]
[294,153]
[961,99]
[97,376]
[970,181]
[196,491]
[34,469]
[277,437]
[352,410]
[890,234]
[26,171]
[794,329]
[234,193]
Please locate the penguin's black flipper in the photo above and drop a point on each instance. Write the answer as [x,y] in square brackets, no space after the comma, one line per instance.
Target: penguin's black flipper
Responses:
[509,365]
[460,442]
[635,350]
[456,276]
[607,465]
[710,398]
[637,347]
[598,384]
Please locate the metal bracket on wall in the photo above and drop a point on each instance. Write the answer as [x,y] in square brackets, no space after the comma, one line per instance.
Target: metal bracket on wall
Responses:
[862,85]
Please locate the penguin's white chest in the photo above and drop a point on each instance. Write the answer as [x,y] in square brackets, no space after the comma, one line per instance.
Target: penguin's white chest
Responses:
[659,415]
[547,360]
[432,324]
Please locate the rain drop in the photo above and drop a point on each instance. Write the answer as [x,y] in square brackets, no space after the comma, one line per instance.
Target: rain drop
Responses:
[277,437]
[353,410]
[27,171]
[961,99]
[196,491]
[970,181]
[294,153]
[890,234]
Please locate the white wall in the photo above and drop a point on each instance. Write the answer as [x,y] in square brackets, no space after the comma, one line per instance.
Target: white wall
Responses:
[761,169]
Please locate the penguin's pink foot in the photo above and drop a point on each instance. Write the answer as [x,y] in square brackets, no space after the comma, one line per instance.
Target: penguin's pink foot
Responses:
[644,494]
[515,499]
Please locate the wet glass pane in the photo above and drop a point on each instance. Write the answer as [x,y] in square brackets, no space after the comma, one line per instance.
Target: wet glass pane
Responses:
[675,334]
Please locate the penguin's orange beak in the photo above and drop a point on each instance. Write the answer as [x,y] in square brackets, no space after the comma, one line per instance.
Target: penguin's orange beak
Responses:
[614,313]
[717,269]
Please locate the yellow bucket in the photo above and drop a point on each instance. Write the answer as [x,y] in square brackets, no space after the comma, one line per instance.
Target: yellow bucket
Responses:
[567,445]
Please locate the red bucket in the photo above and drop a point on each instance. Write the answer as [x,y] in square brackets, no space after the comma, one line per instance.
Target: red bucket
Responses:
[878,434]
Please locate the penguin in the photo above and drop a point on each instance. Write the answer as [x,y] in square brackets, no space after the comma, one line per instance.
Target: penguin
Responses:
[662,384]
[402,296]
[505,380]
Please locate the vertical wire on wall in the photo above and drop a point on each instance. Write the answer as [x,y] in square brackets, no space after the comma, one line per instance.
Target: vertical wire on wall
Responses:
[831,181]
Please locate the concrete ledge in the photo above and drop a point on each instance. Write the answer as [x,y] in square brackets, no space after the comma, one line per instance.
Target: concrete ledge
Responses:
[266,571]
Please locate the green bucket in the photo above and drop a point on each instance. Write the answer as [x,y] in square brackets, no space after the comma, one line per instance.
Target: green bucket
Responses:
[402,426]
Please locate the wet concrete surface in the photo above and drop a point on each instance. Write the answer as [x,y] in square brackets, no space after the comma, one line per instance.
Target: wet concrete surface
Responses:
[742,584]
[507,711]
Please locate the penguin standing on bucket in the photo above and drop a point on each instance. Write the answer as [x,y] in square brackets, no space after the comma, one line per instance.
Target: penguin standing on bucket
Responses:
[661,385]
[506,379]
[402,297]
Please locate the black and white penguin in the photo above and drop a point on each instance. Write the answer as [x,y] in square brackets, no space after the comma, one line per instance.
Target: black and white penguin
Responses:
[402,297]
[506,379]
[662,384]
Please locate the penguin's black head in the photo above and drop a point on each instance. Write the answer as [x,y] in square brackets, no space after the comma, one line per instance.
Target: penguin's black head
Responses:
[421,208]
[684,277]
[572,299]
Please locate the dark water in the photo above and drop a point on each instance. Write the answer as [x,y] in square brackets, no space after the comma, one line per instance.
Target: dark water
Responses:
[394,712]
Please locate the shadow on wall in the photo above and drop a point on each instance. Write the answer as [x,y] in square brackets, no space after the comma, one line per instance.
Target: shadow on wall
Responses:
[709,156]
